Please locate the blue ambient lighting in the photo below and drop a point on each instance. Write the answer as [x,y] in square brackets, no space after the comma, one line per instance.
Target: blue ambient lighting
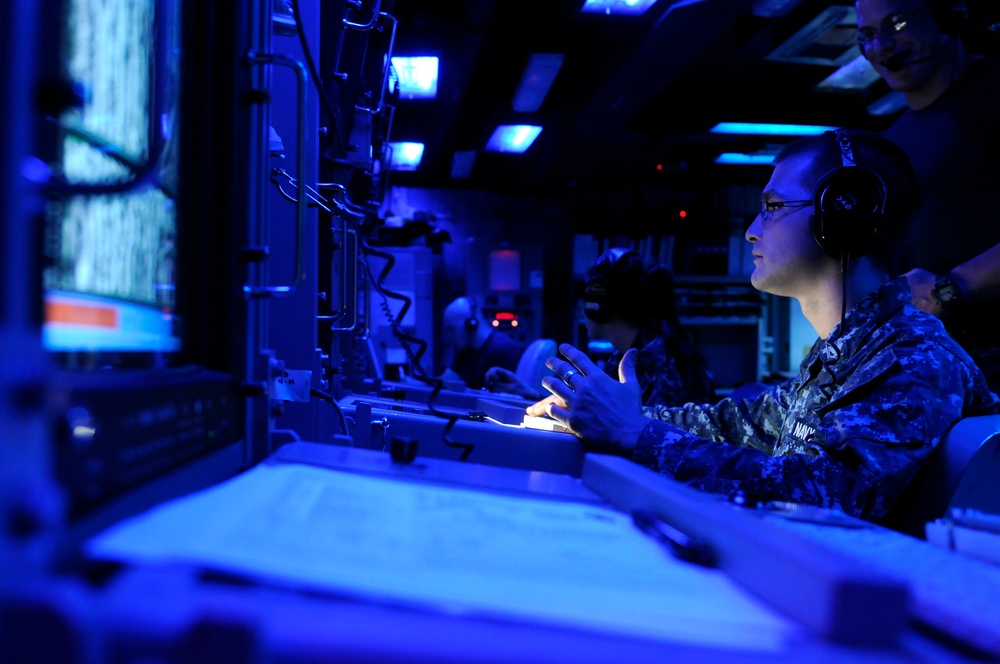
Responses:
[768,129]
[405,156]
[618,7]
[740,159]
[513,138]
[418,76]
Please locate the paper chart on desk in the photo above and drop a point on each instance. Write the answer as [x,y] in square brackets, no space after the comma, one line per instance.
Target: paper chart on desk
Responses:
[457,550]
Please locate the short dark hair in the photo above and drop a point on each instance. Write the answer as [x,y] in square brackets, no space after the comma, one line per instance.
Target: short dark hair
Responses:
[880,155]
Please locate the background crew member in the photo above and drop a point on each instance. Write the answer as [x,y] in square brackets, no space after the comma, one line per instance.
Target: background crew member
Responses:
[631,305]
[475,346]
[880,387]
[951,131]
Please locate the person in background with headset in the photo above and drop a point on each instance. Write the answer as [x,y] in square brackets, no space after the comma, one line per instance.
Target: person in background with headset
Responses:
[632,306]
[880,387]
[475,346]
[951,132]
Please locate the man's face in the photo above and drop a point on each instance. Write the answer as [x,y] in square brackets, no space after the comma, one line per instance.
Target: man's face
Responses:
[901,40]
[454,335]
[786,258]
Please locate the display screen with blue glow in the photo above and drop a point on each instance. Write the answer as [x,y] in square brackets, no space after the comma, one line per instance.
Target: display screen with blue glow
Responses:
[111,227]
[418,76]
[405,156]
[513,138]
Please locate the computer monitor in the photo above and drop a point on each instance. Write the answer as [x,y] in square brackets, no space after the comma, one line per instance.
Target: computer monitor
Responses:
[110,243]
[121,286]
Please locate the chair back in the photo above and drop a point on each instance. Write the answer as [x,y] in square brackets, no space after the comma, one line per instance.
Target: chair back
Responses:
[962,471]
[531,367]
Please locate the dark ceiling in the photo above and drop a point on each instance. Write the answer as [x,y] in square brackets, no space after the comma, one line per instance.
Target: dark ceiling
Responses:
[633,92]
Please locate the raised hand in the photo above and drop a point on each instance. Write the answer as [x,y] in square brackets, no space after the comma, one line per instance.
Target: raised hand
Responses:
[605,414]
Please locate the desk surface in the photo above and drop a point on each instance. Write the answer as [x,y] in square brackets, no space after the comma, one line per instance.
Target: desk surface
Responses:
[194,610]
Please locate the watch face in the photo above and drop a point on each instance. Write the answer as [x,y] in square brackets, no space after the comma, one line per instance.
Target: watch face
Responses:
[945,291]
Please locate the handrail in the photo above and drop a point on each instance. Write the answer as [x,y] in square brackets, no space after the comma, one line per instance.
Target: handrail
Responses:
[301,204]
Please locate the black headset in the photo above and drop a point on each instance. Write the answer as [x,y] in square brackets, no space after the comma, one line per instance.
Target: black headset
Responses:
[472,322]
[848,206]
[602,300]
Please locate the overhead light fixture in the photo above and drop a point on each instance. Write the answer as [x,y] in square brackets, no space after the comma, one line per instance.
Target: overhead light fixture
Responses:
[858,74]
[768,129]
[618,7]
[513,138]
[829,40]
[538,76]
[743,159]
[418,76]
[405,156]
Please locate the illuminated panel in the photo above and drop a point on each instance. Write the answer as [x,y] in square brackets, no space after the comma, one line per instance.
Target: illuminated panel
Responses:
[740,159]
[88,322]
[858,74]
[505,270]
[622,7]
[418,76]
[768,129]
[513,138]
[506,318]
[405,156]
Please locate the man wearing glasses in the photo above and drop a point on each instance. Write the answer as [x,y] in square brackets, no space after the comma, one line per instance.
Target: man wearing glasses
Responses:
[880,387]
[951,132]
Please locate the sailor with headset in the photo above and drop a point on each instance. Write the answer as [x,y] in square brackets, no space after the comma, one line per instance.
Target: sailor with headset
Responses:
[880,387]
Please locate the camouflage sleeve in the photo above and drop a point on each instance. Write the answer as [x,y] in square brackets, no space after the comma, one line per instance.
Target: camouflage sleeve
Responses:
[864,445]
[752,422]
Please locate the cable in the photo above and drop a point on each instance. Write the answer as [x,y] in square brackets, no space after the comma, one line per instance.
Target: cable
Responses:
[307,54]
[405,340]
[333,402]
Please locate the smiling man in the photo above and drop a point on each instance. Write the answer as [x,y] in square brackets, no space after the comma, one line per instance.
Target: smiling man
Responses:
[951,133]
[880,387]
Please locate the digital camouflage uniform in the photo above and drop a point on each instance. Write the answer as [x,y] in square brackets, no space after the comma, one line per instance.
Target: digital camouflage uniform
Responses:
[660,378]
[868,406]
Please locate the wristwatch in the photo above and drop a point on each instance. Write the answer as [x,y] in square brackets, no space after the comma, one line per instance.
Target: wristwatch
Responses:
[946,291]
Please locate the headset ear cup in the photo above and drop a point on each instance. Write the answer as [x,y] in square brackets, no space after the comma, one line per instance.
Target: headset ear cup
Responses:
[472,322]
[849,203]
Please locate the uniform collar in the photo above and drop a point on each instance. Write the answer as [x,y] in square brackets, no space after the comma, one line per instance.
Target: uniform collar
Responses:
[868,314]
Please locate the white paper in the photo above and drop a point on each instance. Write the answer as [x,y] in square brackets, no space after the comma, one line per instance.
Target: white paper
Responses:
[448,549]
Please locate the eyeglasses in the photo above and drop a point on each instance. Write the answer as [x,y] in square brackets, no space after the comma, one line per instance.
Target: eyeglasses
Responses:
[892,24]
[768,208]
